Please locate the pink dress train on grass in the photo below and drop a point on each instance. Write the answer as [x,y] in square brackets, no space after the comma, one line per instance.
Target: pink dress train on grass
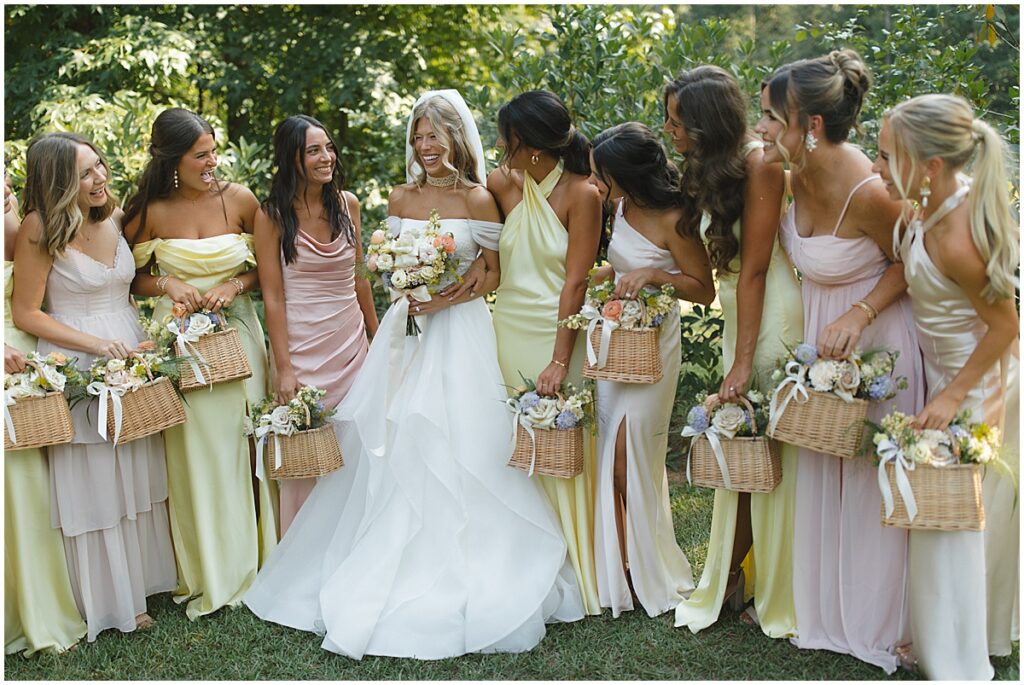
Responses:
[849,575]
[326,334]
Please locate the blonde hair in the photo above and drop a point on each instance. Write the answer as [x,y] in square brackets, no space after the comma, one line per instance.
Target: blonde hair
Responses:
[944,126]
[52,187]
[451,135]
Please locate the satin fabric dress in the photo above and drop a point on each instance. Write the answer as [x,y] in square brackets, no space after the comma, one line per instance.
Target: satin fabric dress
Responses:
[425,544]
[213,514]
[326,335]
[110,502]
[532,252]
[949,613]
[769,565]
[40,614]
[849,572]
[659,569]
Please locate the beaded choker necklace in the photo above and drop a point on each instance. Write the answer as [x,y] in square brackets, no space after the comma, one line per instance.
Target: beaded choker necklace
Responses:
[442,182]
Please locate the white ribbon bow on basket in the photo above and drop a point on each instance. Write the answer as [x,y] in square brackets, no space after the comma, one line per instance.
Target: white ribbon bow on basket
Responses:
[186,340]
[261,439]
[9,402]
[598,359]
[712,434]
[519,420]
[104,391]
[889,451]
[796,375]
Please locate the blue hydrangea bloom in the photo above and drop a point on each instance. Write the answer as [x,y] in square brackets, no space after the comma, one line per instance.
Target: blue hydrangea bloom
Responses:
[565,420]
[658,319]
[214,319]
[958,432]
[528,401]
[881,387]
[386,277]
[805,354]
[697,419]
[747,420]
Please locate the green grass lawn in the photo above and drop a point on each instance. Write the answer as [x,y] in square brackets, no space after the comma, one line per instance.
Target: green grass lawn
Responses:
[234,644]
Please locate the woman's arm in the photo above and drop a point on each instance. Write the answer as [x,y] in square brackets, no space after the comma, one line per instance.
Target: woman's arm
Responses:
[32,266]
[584,236]
[268,260]
[364,290]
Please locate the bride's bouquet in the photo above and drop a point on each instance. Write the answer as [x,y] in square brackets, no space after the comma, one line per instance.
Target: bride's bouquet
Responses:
[821,404]
[36,413]
[935,473]
[304,444]
[414,263]
[622,334]
[548,437]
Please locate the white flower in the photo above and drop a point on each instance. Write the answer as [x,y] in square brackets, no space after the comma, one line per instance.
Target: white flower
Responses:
[115,365]
[630,316]
[879,438]
[247,427]
[428,253]
[405,261]
[385,262]
[919,452]
[868,371]
[54,377]
[544,413]
[280,421]
[428,273]
[985,453]
[823,375]
[24,387]
[590,312]
[199,325]
[777,376]
[755,397]
[728,420]
[847,380]
[399,279]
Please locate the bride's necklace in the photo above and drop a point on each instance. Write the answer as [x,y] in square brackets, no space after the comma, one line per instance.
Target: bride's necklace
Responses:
[442,182]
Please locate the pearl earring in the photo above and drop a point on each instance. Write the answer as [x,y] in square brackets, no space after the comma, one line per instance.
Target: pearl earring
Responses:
[176,183]
[925,191]
[810,142]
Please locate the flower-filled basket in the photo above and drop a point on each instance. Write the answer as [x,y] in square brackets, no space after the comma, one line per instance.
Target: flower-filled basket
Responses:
[36,413]
[298,438]
[136,395]
[623,335]
[728,449]
[931,479]
[822,404]
[548,437]
[210,351]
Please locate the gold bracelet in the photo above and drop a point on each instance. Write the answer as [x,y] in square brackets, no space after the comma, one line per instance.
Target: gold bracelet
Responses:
[161,283]
[867,309]
[237,282]
[555,361]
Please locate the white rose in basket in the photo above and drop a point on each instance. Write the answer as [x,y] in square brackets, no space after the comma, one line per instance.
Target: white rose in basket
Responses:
[938,442]
[280,421]
[115,365]
[823,375]
[405,261]
[53,377]
[119,379]
[631,312]
[385,262]
[25,388]
[728,420]
[919,452]
[399,279]
[199,325]
[544,413]
[847,380]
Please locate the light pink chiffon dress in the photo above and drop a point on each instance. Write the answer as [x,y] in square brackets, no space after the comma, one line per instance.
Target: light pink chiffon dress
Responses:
[849,574]
[326,334]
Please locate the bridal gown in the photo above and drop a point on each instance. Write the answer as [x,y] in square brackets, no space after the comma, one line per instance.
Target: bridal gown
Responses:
[425,544]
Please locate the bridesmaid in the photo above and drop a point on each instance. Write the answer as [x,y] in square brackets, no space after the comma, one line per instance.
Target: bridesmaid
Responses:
[849,572]
[960,252]
[109,502]
[654,242]
[307,246]
[741,197]
[548,245]
[196,231]
[39,610]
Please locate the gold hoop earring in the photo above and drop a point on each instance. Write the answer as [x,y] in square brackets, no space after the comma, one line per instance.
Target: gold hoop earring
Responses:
[534,158]
[176,183]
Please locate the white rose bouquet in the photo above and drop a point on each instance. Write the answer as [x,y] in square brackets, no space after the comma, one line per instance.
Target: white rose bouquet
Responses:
[647,310]
[304,412]
[863,376]
[54,372]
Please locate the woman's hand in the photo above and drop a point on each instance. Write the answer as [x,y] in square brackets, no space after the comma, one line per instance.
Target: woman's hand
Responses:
[183,293]
[14,360]
[550,379]
[287,386]
[735,383]
[114,349]
[629,284]
[840,338]
[219,296]
[600,274]
[472,280]
[938,413]
[431,306]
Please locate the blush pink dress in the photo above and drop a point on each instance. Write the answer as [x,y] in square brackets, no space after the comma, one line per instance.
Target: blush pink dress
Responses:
[849,572]
[326,334]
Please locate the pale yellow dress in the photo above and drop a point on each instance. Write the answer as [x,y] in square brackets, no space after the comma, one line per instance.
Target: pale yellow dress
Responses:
[39,608]
[769,565]
[213,516]
[532,251]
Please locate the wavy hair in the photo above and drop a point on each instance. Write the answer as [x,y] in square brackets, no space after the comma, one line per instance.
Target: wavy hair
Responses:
[52,186]
[714,173]
[944,126]
[289,183]
[451,135]
[539,119]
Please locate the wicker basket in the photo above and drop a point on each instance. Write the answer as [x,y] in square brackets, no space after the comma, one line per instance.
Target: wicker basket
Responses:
[824,423]
[633,356]
[755,463]
[225,360]
[306,454]
[40,422]
[148,409]
[947,497]
[559,452]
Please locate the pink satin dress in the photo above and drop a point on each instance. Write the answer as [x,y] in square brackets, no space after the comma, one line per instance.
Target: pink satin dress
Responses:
[849,572]
[326,334]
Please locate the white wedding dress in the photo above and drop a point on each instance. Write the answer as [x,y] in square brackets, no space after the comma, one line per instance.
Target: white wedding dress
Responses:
[425,544]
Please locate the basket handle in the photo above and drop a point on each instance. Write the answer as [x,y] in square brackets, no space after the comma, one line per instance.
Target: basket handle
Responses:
[149,374]
[713,402]
[309,419]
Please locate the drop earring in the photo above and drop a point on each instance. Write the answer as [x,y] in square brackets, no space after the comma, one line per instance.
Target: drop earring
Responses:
[810,142]
[176,183]
[534,158]
[925,191]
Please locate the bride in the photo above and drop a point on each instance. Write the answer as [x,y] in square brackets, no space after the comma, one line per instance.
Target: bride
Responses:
[425,544]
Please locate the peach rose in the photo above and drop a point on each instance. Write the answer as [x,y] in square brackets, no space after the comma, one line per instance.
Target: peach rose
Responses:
[147,346]
[377,237]
[371,263]
[179,311]
[449,243]
[58,358]
[612,310]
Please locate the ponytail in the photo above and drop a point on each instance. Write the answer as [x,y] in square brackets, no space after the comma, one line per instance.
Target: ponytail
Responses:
[993,229]
[576,154]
